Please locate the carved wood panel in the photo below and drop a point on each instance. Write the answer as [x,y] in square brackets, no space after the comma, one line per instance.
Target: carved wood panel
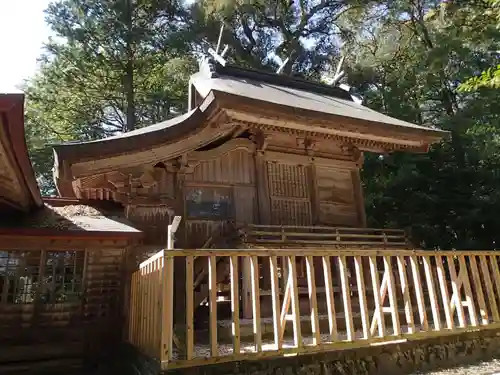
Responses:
[289,194]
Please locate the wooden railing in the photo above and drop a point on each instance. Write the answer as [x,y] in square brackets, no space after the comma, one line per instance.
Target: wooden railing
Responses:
[325,236]
[367,297]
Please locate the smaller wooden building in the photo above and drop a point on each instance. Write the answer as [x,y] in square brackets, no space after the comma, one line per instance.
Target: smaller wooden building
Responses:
[62,265]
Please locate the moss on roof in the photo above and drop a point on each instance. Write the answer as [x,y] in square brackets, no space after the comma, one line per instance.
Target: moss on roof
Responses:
[70,218]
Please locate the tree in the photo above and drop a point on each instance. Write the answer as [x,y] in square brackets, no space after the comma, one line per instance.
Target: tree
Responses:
[489,78]
[108,50]
[262,34]
[112,67]
[409,65]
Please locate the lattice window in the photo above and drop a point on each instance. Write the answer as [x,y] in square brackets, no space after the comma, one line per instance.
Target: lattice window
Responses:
[19,276]
[290,212]
[51,277]
[287,180]
[63,277]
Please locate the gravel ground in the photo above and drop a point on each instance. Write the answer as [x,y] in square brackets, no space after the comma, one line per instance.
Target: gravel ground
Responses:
[491,367]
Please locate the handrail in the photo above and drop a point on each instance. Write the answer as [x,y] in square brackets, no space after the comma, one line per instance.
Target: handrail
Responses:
[320,235]
[318,227]
[324,251]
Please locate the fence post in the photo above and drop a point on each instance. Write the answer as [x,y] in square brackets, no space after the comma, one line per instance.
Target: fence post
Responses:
[167,325]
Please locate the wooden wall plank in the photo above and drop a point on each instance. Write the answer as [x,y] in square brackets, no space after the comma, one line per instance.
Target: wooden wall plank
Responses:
[444,293]
[478,290]
[432,292]
[189,307]
[346,297]
[360,283]
[330,299]
[292,280]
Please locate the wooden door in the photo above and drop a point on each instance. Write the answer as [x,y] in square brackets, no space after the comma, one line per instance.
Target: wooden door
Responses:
[289,195]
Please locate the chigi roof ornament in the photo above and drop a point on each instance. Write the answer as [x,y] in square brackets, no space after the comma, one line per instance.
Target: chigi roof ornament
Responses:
[339,74]
[215,54]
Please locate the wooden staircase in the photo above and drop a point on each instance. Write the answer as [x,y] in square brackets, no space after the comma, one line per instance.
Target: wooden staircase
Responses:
[232,235]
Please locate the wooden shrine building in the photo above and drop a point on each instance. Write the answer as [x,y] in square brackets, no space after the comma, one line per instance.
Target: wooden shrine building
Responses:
[259,160]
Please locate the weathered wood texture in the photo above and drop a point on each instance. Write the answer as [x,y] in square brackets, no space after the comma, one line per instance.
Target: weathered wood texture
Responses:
[59,303]
[362,297]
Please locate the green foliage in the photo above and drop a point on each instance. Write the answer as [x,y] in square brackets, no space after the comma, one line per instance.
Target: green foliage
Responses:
[411,69]
[489,17]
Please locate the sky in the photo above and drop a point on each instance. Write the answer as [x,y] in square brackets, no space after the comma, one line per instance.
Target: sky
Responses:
[22,33]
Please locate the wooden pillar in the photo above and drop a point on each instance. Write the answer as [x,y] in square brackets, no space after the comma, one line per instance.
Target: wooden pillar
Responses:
[313,192]
[180,262]
[263,218]
[262,188]
[359,198]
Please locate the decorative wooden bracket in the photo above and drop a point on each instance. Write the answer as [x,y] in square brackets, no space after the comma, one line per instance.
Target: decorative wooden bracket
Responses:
[260,139]
[308,144]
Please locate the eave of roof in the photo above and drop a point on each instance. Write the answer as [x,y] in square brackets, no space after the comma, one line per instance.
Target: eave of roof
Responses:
[136,140]
[12,113]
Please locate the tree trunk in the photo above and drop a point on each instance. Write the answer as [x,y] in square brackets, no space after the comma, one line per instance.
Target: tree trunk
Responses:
[129,70]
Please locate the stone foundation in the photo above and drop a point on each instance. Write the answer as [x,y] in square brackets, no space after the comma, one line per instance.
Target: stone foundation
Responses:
[390,359]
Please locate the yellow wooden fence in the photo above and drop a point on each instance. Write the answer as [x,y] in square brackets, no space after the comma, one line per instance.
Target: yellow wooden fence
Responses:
[400,295]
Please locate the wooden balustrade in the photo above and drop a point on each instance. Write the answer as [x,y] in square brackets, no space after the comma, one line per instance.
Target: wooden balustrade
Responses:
[366,297]
[325,236]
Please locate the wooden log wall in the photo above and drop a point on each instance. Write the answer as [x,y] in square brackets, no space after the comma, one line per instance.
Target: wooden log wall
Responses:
[59,303]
